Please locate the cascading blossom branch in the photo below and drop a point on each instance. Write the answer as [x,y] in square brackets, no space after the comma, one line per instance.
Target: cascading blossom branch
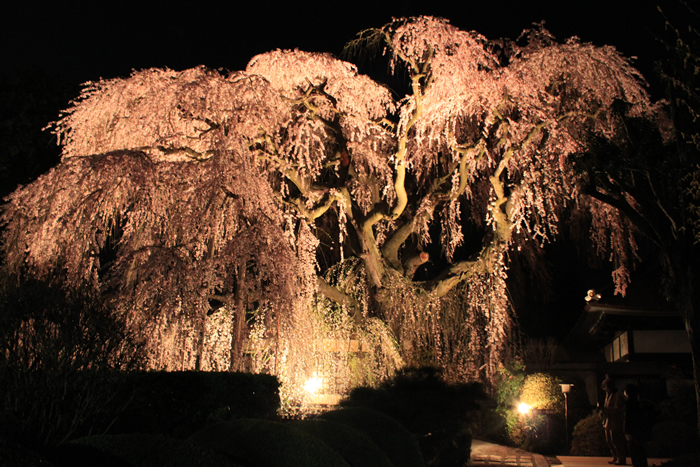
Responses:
[183,194]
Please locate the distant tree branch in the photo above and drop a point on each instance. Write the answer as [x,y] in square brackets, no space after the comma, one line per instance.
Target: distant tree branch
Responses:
[633,215]
[333,293]
[462,270]
[413,263]
[191,153]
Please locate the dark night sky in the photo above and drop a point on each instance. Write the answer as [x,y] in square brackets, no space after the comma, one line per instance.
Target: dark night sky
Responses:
[87,40]
[81,41]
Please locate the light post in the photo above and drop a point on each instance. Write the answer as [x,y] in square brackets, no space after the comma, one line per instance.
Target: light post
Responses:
[566,389]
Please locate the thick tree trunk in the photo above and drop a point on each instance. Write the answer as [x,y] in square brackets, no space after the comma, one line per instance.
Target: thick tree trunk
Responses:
[238,335]
[695,349]
[686,299]
[201,331]
[239,326]
[690,320]
[371,257]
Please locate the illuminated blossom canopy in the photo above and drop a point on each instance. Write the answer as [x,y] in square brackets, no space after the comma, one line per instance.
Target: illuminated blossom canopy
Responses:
[303,196]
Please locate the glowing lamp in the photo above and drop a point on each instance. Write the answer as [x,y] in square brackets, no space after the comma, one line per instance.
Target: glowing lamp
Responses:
[524,408]
[313,385]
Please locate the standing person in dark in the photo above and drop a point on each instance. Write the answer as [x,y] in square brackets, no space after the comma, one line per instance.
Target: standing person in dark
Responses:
[635,427]
[614,421]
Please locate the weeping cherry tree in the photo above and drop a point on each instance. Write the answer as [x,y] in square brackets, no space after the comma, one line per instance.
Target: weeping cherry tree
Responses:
[267,218]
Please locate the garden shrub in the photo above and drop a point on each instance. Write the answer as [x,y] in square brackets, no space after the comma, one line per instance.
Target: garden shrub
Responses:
[542,430]
[393,438]
[499,418]
[142,450]
[265,443]
[673,432]
[355,446]
[14,455]
[179,403]
[543,392]
[589,438]
[439,414]
[671,438]
[543,427]
[681,407]
[71,454]
[61,363]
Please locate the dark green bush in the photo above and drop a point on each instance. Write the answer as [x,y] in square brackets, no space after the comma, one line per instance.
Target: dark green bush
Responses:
[61,358]
[671,439]
[437,413]
[14,455]
[544,434]
[499,419]
[542,391]
[543,429]
[137,450]
[589,438]
[355,446]
[183,402]
[264,443]
[394,439]
[681,407]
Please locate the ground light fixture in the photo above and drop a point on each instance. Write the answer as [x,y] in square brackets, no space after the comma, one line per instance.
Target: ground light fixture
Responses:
[524,408]
[313,384]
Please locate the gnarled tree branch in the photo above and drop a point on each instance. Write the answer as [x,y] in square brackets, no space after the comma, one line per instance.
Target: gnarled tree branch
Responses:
[335,294]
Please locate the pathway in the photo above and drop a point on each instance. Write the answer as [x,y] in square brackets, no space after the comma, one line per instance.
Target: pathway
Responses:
[489,454]
[580,461]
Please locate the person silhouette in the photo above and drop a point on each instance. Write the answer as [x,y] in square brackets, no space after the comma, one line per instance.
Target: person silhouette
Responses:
[613,410]
[635,424]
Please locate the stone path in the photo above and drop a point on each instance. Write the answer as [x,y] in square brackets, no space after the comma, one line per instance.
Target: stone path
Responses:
[519,461]
[489,454]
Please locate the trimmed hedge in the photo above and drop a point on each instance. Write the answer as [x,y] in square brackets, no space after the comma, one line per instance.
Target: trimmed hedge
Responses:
[179,403]
[393,438]
[589,437]
[439,414]
[264,443]
[668,438]
[137,450]
[671,439]
[355,446]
